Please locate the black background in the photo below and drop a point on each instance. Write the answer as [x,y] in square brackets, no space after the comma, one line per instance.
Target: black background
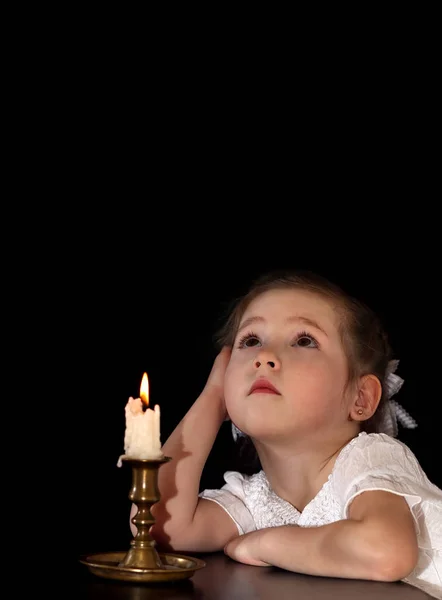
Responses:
[151,183]
[150,297]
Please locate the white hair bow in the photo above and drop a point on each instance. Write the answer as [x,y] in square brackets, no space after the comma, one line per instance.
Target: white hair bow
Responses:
[394,412]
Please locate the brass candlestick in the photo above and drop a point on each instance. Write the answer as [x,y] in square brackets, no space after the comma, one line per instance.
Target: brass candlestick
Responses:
[144,494]
[142,562]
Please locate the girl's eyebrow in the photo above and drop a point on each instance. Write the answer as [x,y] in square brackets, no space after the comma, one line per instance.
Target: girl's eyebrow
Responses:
[305,320]
[249,321]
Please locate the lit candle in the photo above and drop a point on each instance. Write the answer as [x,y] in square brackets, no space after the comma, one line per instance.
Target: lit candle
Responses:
[142,435]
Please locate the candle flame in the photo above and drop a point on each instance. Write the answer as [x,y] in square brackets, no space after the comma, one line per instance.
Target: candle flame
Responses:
[144,390]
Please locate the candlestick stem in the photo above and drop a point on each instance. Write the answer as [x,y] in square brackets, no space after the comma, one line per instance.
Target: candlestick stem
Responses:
[144,493]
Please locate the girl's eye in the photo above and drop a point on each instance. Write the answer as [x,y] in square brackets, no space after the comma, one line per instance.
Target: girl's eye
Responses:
[305,340]
[248,341]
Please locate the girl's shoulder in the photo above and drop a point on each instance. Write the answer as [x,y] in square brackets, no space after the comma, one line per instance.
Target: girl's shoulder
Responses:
[244,484]
[376,443]
[377,455]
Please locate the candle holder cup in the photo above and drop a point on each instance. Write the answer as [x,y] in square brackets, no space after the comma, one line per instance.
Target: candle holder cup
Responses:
[142,562]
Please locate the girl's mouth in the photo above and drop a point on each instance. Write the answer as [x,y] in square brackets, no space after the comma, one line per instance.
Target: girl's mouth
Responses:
[263,386]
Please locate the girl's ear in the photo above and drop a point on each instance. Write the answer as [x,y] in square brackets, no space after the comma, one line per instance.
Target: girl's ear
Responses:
[369,392]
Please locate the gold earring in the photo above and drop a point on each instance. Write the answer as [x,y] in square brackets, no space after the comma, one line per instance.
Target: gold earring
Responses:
[360,411]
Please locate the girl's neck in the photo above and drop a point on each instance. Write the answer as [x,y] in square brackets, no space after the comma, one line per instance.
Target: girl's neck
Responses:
[297,472]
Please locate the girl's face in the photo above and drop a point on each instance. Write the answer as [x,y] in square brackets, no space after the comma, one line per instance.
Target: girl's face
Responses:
[288,369]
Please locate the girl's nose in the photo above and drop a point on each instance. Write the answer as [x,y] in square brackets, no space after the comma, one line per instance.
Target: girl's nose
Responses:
[271,364]
[268,359]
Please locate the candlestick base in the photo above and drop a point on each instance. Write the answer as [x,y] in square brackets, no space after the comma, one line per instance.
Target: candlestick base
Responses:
[142,562]
[174,567]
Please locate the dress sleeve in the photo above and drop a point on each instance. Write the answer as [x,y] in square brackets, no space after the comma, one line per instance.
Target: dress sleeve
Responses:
[231,497]
[379,462]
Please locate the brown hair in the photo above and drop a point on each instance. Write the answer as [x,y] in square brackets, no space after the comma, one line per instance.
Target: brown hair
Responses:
[363,337]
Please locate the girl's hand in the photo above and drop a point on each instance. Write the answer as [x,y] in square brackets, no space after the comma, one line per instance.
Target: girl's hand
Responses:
[215,382]
[246,549]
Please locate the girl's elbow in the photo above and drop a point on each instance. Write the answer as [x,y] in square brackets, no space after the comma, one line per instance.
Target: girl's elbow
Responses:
[398,564]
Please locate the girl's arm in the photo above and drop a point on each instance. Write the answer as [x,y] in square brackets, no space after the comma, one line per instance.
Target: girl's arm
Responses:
[178,524]
[377,542]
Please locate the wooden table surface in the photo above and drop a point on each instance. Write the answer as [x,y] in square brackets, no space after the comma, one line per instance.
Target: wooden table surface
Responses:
[225,579]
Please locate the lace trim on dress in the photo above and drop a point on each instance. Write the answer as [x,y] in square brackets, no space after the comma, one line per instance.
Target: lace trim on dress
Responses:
[270,510]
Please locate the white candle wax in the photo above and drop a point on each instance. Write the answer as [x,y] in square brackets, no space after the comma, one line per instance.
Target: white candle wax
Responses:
[142,435]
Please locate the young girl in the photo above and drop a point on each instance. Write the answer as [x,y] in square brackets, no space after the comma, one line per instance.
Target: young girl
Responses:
[305,374]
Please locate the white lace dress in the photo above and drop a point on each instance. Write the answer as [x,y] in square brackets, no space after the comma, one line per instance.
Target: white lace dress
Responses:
[372,461]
